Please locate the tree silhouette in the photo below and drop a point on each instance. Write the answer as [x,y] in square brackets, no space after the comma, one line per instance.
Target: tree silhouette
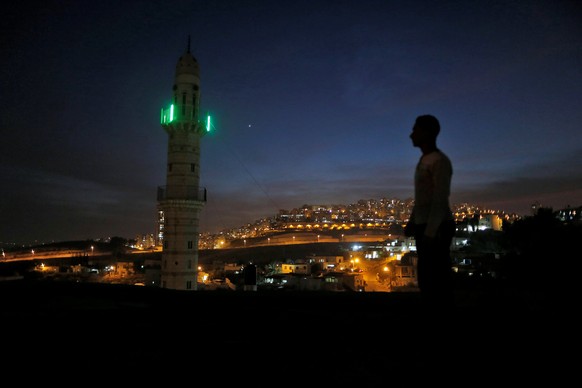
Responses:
[543,251]
[488,241]
[118,245]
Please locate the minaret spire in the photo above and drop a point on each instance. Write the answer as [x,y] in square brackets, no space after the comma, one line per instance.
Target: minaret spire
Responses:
[182,199]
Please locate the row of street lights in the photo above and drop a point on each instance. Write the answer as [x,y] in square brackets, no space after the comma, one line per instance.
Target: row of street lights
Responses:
[293,237]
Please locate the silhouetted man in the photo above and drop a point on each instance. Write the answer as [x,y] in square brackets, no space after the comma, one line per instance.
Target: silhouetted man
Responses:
[431,222]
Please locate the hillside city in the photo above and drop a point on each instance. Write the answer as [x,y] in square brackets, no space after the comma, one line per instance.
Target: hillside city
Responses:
[365,214]
[370,214]
[360,247]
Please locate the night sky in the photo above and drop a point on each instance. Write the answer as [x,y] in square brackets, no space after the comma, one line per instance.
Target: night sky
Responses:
[313,103]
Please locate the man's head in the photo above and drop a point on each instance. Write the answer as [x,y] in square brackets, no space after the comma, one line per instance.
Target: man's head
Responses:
[425,131]
[428,123]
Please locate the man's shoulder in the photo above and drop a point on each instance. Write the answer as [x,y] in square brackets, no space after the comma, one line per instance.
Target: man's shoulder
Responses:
[444,156]
[436,156]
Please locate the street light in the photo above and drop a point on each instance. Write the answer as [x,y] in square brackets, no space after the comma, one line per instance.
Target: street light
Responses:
[92,247]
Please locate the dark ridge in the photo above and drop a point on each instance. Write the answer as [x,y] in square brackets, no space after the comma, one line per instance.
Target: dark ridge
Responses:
[66,329]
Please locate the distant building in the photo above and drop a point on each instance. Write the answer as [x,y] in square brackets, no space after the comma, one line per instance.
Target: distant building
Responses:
[490,221]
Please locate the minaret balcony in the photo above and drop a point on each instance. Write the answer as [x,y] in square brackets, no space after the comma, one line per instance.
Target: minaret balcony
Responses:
[175,113]
[191,193]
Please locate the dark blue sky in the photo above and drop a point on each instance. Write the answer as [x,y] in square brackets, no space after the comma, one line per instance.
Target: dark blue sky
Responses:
[313,103]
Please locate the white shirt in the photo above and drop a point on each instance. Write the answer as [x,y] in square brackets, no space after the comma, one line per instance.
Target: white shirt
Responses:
[432,187]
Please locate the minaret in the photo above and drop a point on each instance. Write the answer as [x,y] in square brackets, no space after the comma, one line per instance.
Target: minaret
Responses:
[181,200]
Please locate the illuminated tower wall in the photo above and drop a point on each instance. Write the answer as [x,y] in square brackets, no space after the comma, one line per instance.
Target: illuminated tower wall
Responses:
[182,200]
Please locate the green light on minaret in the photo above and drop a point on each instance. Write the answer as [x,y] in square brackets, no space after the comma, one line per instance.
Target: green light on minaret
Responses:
[208,124]
[167,115]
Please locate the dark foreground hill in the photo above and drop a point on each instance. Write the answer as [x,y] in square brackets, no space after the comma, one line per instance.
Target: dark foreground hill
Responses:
[90,334]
